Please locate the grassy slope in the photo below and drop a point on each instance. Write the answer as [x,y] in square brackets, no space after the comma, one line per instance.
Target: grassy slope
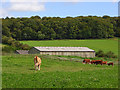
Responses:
[96,44]
[3,45]
[18,72]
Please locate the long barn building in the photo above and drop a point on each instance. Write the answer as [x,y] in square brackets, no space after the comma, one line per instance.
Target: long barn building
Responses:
[73,51]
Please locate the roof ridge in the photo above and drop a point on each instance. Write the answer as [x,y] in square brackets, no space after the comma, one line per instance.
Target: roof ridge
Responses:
[63,49]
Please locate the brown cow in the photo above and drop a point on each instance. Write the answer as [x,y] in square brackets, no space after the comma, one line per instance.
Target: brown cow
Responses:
[37,62]
[93,61]
[86,61]
[104,62]
[111,63]
[96,62]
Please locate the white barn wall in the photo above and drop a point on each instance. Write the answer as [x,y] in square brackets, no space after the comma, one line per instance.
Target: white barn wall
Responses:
[82,54]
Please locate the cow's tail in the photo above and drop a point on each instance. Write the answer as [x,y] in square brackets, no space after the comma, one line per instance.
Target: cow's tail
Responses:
[112,64]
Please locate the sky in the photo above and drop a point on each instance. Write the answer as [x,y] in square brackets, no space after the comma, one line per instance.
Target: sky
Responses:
[58,8]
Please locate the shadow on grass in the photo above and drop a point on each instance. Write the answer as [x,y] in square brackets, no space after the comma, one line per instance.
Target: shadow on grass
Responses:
[31,69]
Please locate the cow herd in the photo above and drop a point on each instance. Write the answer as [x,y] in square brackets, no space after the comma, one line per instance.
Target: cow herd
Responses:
[85,61]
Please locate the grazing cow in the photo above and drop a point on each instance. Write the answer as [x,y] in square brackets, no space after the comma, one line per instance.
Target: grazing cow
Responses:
[93,61]
[111,63]
[104,62]
[96,62]
[37,62]
[86,61]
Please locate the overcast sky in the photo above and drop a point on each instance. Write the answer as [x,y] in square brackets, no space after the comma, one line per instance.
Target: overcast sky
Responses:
[58,8]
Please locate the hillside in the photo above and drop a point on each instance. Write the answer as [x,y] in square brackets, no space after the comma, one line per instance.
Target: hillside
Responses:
[95,44]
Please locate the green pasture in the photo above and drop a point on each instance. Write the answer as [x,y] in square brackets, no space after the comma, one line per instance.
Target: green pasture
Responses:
[95,44]
[56,72]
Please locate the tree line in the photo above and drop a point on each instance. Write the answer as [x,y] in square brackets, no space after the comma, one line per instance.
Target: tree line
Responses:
[49,28]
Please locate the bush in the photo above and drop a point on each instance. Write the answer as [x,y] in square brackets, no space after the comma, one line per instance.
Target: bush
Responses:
[10,41]
[109,54]
[17,44]
[5,39]
[14,44]
[25,47]
[100,53]
[8,49]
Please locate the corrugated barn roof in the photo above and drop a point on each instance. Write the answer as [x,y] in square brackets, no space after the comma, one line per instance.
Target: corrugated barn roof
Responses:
[22,51]
[63,49]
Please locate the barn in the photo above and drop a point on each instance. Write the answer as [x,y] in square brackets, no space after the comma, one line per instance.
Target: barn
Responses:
[73,51]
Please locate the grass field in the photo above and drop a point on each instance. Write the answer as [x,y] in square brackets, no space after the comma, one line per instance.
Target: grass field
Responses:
[95,44]
[56,72]
[61,71]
